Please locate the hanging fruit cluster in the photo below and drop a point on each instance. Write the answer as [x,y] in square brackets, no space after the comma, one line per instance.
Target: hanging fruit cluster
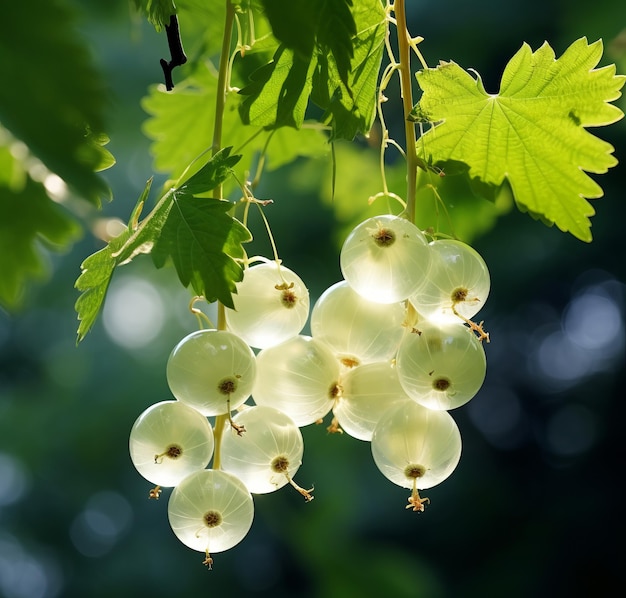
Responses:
[393,348]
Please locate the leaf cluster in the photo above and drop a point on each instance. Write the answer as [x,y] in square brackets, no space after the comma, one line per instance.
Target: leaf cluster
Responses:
[330,54]
[196,233]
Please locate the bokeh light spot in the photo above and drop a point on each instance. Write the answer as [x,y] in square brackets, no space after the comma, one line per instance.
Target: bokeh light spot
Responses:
[24,576]
[14,479]
[96,529]
[593,321]
[134,313]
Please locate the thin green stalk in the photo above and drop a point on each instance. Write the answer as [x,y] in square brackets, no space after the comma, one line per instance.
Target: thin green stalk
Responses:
[218,432]
[222,78]
[404,51]
[220,104]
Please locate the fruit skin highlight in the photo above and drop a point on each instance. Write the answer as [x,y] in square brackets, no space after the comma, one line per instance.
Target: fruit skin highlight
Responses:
[298,377]
[271,305]
[385,259]
[358,331]
[457,285]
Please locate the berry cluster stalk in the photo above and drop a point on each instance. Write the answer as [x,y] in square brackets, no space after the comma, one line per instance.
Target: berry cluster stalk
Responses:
[404,50]
[220,420]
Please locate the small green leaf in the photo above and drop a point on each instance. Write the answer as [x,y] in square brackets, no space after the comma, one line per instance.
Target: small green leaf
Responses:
[96,272]
[97,269]
[334,60]
[295,23]
[204,243]
[27,218]
[212,174]
[182,121]
[531,132]
[338,34]
[303,25]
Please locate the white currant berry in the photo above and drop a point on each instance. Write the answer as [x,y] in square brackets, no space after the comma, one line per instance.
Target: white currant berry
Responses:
[416,447]
[271,305]
[170,440]
[441,366]
[385,258]
[210,511]
[458,282]
[269,454]
[211,370]
[299,377]
[357,330]
[368,392]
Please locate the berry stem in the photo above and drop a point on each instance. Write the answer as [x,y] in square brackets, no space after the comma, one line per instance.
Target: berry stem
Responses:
[416,502]
[218,433]
[200,315]
[308,497]
[222,84]
[220,104]
[412,162]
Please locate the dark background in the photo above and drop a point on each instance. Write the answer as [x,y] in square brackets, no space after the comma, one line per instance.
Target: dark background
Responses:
[533,508]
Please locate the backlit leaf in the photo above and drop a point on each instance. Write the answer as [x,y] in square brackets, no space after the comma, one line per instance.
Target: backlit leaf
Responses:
[198,234]
[532,133]
[204,242]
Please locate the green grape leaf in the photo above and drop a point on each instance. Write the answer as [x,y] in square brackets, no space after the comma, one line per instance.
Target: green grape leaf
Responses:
[340,78]
[29,217]
[181,121]
[338,34]
[532,132]
[350,108]
[278,92]
[212,174]
[97,270]
[294,23]
[52,98]
[203,241]
[93,282]
[301,25]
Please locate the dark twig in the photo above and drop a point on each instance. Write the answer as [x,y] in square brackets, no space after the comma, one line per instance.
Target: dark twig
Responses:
[176,51]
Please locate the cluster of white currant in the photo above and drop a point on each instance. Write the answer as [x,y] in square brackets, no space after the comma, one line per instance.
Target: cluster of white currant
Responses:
[392,349]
